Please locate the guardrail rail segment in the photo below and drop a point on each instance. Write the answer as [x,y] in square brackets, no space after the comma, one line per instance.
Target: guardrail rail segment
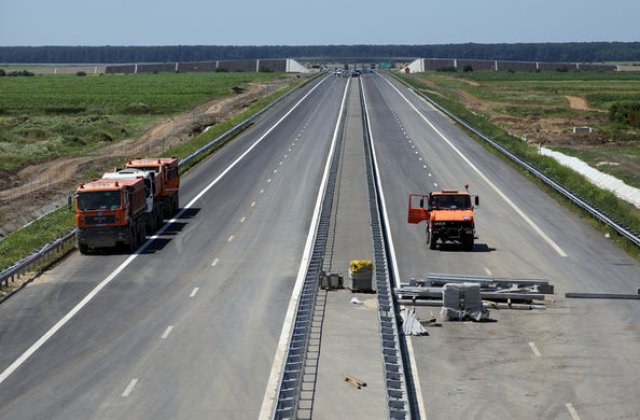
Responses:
[32,262]
[559,188]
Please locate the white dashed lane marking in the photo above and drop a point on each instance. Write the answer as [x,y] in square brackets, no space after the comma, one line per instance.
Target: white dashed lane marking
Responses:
[194,291]
[167,332]
[129,388]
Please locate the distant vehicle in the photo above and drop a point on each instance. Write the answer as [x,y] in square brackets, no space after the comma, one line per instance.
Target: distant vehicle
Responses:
[168,176]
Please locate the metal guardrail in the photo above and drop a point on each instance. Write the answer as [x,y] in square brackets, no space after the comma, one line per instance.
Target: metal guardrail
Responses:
[598,214]
[35,260]
[395,376]
[38,259]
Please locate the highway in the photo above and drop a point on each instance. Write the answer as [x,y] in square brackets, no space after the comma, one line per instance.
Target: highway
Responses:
[576,357]
[188,327]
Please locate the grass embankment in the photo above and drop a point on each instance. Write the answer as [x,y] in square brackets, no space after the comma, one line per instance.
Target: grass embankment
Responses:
[66,115]
[32,237]
[447,94]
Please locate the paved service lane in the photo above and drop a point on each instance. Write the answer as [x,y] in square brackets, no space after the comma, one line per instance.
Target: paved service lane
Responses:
[577,358]
[189,328]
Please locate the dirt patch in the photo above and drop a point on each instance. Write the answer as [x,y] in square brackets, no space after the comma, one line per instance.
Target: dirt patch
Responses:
[576,102]
[31,191]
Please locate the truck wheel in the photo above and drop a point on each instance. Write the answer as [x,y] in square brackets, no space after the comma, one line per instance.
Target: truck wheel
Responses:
[467,243]
[84,248]
[176,204]
[432,241]
[133,240]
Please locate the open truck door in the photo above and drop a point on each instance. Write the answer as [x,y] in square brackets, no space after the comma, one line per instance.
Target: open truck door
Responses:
[418,208]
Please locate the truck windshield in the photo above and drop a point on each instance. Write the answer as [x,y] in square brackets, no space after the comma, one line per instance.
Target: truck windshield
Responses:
[99,200]
[452,202]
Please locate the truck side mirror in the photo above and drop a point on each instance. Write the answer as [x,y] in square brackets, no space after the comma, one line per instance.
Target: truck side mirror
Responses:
[477,200]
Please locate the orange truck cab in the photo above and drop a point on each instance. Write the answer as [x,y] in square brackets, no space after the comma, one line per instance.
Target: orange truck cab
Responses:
[110,213]
[167,178]
[449,216]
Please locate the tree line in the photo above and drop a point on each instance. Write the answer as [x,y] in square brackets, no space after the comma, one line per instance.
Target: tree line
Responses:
[551,52]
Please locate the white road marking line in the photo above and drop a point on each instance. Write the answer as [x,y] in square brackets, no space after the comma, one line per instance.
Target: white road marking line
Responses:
[424,166]
[253,204]
[268,180]
[194,292]
[130,387]
[289,150]
[262,191]
[429,173]
[215,262]
[275,171]
[243,219]
[230,238]
[416,152]
[517,209]
[280,163]
[421,160]
[572,411]
[270,394]
[285,156]
[534,349]
[63,321]
[486,270]
[435,184]
[394,265]
[167,332]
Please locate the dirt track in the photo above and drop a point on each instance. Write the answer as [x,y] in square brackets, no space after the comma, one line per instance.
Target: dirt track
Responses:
[36,189]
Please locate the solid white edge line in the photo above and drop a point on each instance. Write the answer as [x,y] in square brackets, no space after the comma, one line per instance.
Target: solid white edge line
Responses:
[394,266]
[40,342]
[271,391]
[517,209]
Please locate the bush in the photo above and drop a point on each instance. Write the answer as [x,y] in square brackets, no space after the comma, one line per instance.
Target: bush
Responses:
[138,108]
[222,70]
[468,68]
[2,73]
[447,69]
[81,73]
[625,113]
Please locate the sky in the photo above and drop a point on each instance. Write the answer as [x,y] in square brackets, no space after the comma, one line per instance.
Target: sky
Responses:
[315,22]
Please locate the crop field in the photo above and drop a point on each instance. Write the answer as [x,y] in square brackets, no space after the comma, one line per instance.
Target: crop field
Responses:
[49,116]
[544,107]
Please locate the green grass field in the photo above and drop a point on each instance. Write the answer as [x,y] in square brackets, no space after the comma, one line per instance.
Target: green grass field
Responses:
[534,105]
[58,115]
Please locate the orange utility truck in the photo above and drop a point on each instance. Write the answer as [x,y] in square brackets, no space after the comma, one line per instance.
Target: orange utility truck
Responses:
[449,216]
[110,213]
[167,176]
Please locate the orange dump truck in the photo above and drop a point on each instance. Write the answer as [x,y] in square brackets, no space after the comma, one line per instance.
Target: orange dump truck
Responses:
[168,181]
[110,213]
[449,216]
